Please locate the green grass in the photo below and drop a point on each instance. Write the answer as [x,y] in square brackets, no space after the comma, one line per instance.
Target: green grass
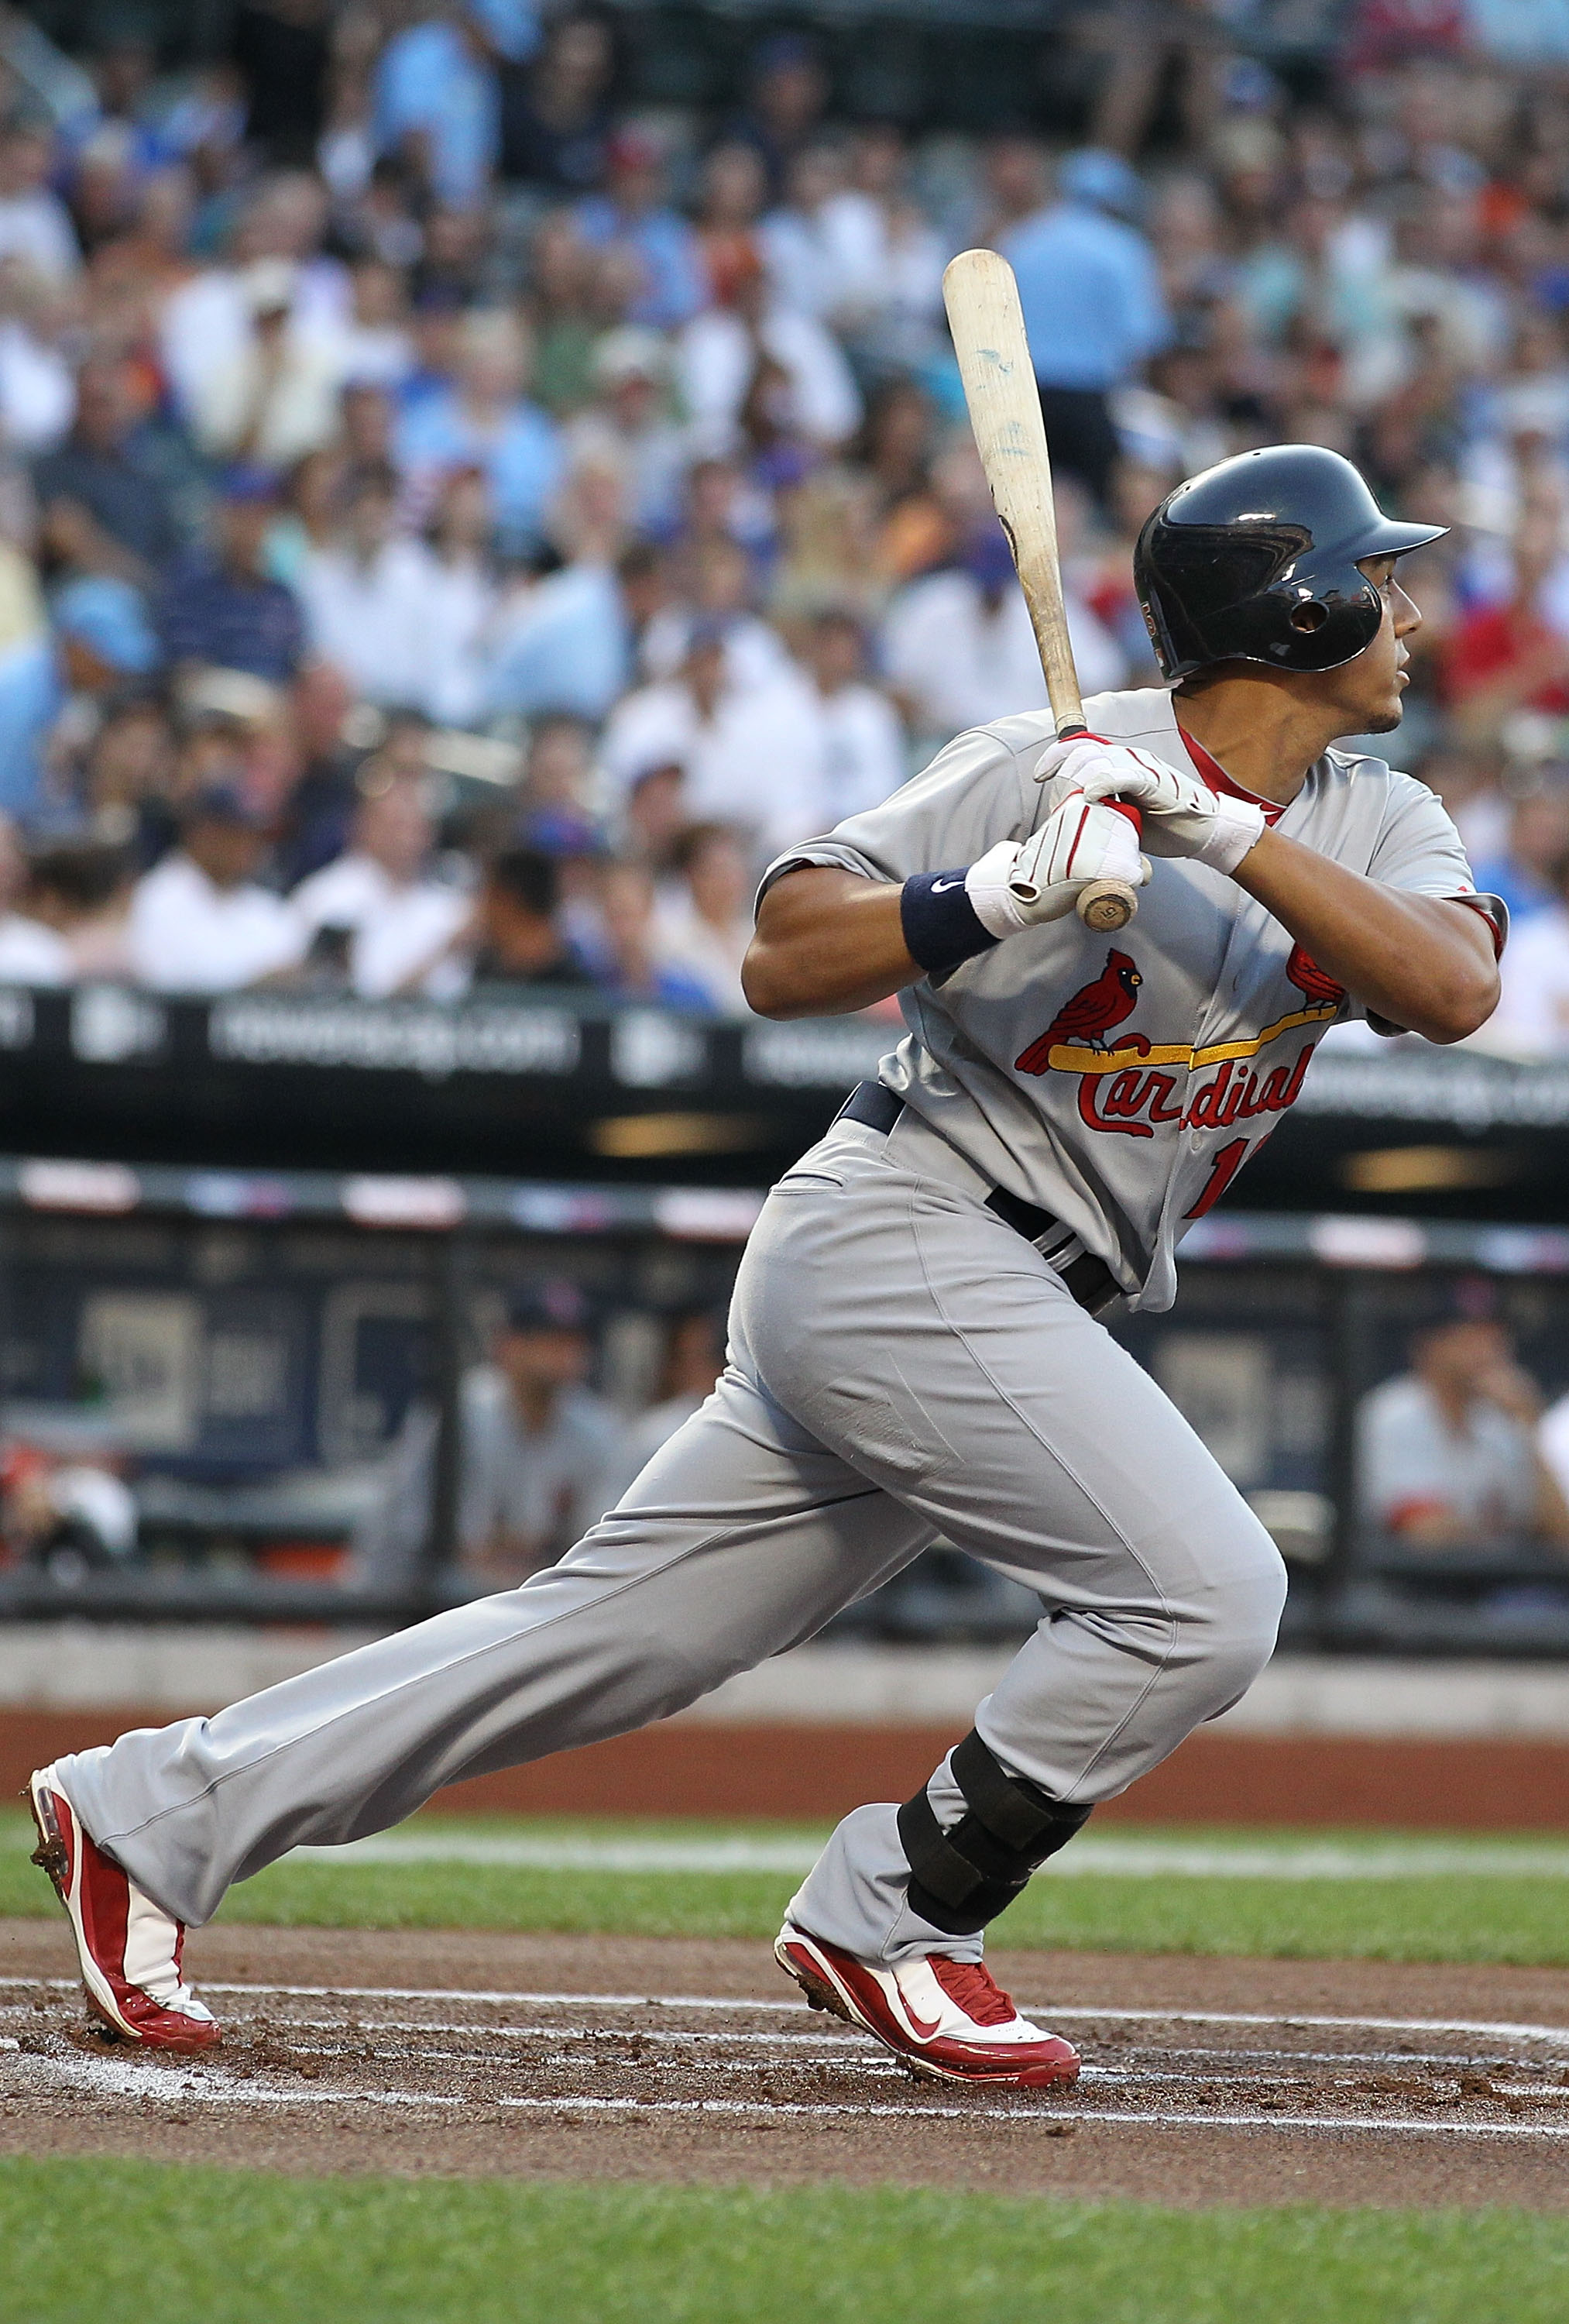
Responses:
[1458,1916]
[93,2241]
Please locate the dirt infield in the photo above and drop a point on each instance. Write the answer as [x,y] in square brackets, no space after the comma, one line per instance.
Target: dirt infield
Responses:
[607,2058]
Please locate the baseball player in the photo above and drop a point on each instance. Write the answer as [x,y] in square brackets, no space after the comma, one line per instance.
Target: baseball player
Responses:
[917,1345]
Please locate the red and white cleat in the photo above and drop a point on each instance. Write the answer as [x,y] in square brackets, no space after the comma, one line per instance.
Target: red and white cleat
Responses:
[129,1948]
[943,2018]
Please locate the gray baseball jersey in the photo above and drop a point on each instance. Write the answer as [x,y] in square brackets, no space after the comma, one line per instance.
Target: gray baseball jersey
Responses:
[1122,1084]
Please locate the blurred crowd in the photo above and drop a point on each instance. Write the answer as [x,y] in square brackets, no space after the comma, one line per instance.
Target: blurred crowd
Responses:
[456,522]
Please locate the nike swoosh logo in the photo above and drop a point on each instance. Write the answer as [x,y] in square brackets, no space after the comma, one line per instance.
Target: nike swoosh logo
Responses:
[942,887]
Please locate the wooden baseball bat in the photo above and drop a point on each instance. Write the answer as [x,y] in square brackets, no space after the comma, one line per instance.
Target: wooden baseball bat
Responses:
[987,324]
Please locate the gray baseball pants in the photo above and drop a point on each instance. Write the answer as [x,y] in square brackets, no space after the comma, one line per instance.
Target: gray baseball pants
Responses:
[902,1365]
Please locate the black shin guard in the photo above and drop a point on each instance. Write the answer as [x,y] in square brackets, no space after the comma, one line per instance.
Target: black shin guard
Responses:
[963,1877]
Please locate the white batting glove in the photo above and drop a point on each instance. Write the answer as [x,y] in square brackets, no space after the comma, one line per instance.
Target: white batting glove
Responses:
[1080,841]
[1182,815]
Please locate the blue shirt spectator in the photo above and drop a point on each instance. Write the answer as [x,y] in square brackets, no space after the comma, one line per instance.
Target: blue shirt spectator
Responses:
[437,82]
[483,420]
[1089,290]
[226,610]
[633,215]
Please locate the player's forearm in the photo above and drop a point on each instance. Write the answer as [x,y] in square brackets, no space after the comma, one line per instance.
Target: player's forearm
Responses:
[826,942]
[1419,961]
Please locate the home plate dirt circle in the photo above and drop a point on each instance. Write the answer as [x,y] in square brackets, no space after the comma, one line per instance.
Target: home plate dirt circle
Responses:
[1203,2080]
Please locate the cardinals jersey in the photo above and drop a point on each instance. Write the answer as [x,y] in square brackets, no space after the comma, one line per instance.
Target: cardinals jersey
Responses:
[1122,1084]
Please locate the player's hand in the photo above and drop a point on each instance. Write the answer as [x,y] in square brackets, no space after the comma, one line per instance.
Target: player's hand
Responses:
[1021,885]
[1182,815]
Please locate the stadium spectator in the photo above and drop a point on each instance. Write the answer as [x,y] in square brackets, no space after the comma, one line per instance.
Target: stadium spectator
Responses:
[633,966]
[200,922]
[704,922]
[104,505]
[437,104]
[732,191]
[1447,1452]
[538,1448]
[555,118]
[629,429]
[483,419]
[1532,1017]
[379,904]
[275,398]
[693,1359]
[224,609]
[1536,840]
[30,952]
[749,754]
[517,924]
[1084,257]
[633,218]
[958,645]
[35,225]
[367,598]
[787,98]
[80,891]
[863,747]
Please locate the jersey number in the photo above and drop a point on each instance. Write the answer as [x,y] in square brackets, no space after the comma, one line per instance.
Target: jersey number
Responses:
[1222,1171]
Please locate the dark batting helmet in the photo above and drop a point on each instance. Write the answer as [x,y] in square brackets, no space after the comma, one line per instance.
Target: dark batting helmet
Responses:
[1256,561]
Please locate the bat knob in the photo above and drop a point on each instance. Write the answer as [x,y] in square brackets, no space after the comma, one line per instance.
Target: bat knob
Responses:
[1105,906]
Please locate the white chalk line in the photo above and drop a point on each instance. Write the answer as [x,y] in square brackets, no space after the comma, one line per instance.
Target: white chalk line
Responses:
[107,2078]
[1089,1858]
[1493,2029]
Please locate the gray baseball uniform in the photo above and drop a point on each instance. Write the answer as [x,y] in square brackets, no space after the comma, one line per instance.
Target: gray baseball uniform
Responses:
[902,1364]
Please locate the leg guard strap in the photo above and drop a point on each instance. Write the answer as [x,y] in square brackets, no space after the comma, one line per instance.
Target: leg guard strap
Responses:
[962,1878]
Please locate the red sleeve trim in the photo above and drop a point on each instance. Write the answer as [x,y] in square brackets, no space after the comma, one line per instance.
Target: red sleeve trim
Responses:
[1481,904]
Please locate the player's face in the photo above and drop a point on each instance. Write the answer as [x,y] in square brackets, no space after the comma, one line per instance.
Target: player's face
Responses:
[1368,690]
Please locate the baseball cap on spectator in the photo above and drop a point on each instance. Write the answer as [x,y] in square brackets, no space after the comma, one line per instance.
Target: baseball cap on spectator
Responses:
[782,53]
[1102,182]
[562,830]
[555,1304]
[987,559]
[108,617]
[223,803]
[267,286]
[247,483]
[630,352]
[632,150]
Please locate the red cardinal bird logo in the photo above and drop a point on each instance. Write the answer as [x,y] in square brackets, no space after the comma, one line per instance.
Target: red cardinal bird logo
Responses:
[1309,979]
[1085,1019]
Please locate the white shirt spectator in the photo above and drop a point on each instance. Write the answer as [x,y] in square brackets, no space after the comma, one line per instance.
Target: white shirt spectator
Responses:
[368,615]
[38,396]
[825,261]
[863,750]
[36,229]
[459,600]
[1410,1461]
[397,925]
[298,402]
[756,761]
[547,1487]
[963,665]
[716,359]
[1532,1017]
[754,653]
[206,322]
[186,934]
[33,954]
[684,940]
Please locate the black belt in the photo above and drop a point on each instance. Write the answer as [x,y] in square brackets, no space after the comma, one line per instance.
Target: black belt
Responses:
[1089,1280]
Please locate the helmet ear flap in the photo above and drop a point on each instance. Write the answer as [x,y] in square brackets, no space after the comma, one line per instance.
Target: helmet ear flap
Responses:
[1309,618]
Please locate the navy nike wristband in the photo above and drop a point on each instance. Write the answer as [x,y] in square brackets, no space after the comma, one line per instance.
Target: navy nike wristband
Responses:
[940,922]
